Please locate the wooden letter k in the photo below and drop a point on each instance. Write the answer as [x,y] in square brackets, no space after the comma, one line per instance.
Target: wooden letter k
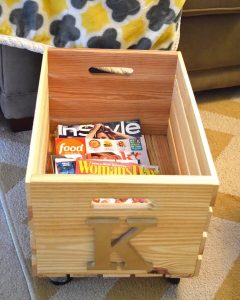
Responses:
[104,245]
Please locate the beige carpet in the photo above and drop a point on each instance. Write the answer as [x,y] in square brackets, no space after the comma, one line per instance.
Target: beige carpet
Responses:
[220,273]
[220,112]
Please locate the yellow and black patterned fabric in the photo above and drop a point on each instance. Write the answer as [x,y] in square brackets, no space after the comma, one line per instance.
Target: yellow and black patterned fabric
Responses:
[134,24]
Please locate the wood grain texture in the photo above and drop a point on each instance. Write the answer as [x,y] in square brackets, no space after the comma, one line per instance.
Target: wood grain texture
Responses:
[214,195]
[203,242]
[65,241]
[176,180]
[38,147]
[51,151]
[198,265]
[40,132]
[183,129]
[173,150]
[77,96]
[179,142]
[194,120]
[62,241]
[208,219]
[159,153]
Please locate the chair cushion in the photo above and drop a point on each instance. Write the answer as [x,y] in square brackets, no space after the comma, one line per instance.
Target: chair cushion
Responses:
[206,7]
[210,42]
[215,78]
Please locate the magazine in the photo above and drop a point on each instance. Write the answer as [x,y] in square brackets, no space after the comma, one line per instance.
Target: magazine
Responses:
[109,130]
[65,165]
[121,203]
[113,168]
[126,149]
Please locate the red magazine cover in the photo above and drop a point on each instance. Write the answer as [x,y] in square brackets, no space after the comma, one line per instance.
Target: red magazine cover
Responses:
[92,167]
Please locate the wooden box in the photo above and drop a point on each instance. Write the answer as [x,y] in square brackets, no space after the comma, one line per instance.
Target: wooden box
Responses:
[68,235]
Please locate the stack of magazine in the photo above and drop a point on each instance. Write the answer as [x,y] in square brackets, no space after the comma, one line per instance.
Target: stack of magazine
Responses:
[114,148]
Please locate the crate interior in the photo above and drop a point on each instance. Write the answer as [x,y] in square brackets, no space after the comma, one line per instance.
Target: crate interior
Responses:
[157,147]
[155,94]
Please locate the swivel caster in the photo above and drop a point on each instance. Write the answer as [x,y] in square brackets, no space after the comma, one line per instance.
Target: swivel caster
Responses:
[173,280]
[60,280]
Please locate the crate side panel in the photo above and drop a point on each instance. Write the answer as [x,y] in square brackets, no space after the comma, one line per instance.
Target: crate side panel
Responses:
[65,243]
[194,120]
[40,132]
[145,94]
[182,129]
[38,148]
[179,142]
[173,150]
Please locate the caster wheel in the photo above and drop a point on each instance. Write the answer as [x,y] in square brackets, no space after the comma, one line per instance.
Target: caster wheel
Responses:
[173,280]
[60,280]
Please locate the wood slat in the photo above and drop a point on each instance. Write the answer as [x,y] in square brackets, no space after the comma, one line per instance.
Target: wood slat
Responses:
[40,132]
[148,275]
[194,120]
[198,265]
[203,242]
[177,180]
[159,153]
[116,275]
[173,150]
[34,266]
[208,219]
[179,143]
[214,195]
[188,145]
[38,147]
[77,96]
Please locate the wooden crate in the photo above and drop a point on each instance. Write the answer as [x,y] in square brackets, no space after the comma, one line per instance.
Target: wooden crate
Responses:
[68,236]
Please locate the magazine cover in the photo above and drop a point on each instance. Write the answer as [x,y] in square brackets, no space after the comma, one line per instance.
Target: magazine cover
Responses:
[65,166]
[113,168]
[52,160]
[74,147]
[126,149]
[110,130]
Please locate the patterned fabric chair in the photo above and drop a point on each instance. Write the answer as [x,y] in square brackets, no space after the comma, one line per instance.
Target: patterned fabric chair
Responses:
[128,24]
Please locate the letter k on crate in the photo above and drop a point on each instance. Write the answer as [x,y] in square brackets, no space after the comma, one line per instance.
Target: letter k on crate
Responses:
[104,244]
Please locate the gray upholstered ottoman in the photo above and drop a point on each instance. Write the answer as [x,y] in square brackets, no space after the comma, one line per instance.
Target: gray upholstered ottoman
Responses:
[19,76]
